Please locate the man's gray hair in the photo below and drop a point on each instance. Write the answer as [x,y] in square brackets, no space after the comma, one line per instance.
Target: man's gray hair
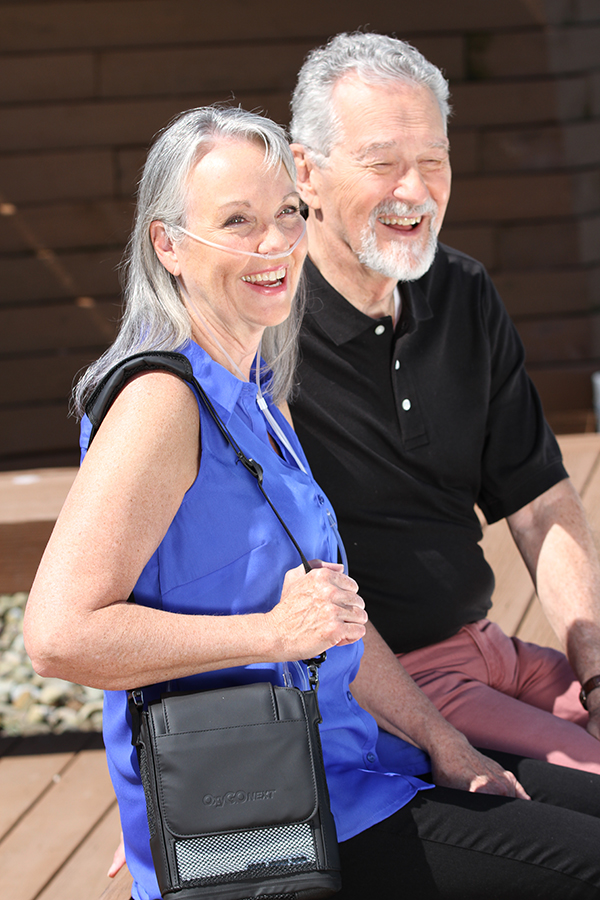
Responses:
[155,317]
[376,59]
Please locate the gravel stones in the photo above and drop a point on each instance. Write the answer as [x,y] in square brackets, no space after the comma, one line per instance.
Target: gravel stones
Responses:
[30,704]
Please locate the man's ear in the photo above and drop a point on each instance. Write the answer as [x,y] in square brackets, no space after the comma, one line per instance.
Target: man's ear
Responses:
[164,248]
[306,181]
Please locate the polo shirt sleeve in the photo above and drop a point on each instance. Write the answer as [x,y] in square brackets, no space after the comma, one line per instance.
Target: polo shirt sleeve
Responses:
[521,458]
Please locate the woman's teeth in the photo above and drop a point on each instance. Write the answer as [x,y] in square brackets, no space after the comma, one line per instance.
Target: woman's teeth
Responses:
[269,278]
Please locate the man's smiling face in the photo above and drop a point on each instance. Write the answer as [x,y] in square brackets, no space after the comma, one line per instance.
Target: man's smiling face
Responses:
[385,187]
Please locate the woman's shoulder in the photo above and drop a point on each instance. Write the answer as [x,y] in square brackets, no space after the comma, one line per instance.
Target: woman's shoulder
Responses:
[153,421]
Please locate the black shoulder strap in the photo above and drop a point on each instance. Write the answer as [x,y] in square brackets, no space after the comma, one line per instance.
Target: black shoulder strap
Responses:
[114,381]
[106,392]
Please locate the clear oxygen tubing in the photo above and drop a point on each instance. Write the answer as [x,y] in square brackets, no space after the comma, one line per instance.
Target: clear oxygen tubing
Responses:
[273,254]
[260,400]
[339,541]
[397,305]
[262,405]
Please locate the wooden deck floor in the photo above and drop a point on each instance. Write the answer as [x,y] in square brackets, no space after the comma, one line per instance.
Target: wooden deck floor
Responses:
[58,817]
[59,822]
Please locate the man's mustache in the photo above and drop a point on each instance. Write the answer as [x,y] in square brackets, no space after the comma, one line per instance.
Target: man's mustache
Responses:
[405,210]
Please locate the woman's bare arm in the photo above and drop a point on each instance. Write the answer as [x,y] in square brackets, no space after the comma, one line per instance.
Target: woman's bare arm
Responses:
[78,623]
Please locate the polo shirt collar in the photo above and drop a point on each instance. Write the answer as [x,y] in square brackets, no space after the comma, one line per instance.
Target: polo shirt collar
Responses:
[341,321]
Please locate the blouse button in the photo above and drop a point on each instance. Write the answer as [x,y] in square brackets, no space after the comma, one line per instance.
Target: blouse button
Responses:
[380,329]
[406,404]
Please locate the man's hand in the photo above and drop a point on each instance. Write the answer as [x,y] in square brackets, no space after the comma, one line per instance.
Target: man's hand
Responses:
[386,690]
[456,764]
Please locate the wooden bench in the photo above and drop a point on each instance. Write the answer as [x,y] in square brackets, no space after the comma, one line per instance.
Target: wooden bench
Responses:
[30,501]
[59,822]
[516,607]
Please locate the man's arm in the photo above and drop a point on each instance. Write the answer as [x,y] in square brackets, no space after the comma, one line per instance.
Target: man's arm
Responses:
[386,690]
[558,547]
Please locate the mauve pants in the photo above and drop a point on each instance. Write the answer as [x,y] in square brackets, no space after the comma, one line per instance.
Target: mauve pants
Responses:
[506,694]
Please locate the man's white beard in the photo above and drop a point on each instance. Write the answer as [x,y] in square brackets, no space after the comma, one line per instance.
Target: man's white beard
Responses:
[399,259]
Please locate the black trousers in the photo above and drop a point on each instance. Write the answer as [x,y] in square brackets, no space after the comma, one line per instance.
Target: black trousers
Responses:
[452,844]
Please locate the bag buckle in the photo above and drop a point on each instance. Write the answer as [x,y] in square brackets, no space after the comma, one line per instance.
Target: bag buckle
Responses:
[135,701]
[313,670]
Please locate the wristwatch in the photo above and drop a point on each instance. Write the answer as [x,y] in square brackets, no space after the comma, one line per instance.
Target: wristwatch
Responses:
[590,685]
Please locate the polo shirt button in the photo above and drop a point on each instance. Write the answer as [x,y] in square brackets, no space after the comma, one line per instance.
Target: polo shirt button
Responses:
[349,695]
[320,499]
[380,329]
[397,365]
[406,404]
[371,757]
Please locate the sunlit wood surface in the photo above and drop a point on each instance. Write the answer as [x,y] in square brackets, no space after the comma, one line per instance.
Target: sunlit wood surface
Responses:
[516,607]
[59,823]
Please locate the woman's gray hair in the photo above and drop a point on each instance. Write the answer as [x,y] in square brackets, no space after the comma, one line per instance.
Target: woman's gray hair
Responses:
[155,317]
[376,59]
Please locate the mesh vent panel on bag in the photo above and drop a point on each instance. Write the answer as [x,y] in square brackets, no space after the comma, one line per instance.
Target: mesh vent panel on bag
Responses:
[264,853]
[145,775]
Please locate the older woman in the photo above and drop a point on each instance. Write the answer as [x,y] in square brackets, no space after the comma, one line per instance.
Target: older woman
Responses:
[160,510]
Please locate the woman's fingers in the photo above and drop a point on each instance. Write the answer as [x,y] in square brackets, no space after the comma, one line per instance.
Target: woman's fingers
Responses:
[318,610]
[118,859]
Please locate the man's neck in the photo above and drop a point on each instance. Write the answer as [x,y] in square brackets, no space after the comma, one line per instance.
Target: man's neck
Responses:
[368,291]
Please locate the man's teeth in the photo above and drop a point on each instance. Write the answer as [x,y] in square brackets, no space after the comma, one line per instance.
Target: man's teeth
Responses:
[396,220]
[265,277]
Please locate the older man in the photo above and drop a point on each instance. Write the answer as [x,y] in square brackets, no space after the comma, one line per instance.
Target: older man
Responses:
[414,405]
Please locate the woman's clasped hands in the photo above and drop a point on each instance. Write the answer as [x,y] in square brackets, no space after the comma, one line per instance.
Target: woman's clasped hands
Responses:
[318,610]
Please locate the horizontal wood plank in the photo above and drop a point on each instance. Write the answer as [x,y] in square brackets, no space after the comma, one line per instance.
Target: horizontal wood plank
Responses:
[91,24]
[50,430]
[34,495]
[84,874]
[21,547]
[67,325]
[120,889]
[22,783]
[36,849]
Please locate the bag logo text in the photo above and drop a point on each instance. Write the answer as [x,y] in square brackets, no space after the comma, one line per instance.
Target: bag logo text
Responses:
[231,797]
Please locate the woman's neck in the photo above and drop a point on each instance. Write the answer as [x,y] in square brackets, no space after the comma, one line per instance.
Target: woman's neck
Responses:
[225,350]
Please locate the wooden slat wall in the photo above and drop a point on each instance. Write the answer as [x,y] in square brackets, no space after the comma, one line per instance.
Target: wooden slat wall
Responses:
[84,84]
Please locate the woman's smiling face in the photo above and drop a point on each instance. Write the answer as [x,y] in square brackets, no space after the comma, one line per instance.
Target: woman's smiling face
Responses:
[238,203]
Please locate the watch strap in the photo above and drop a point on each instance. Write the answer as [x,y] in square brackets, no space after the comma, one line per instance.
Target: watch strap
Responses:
[586,688]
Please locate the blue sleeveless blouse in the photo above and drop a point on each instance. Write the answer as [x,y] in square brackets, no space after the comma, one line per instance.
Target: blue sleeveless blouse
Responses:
[226,553]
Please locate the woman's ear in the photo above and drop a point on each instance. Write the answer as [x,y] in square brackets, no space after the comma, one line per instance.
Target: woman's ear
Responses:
[164,248]
[306,182]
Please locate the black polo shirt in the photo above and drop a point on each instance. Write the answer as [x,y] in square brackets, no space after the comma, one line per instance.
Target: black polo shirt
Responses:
[406,430]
